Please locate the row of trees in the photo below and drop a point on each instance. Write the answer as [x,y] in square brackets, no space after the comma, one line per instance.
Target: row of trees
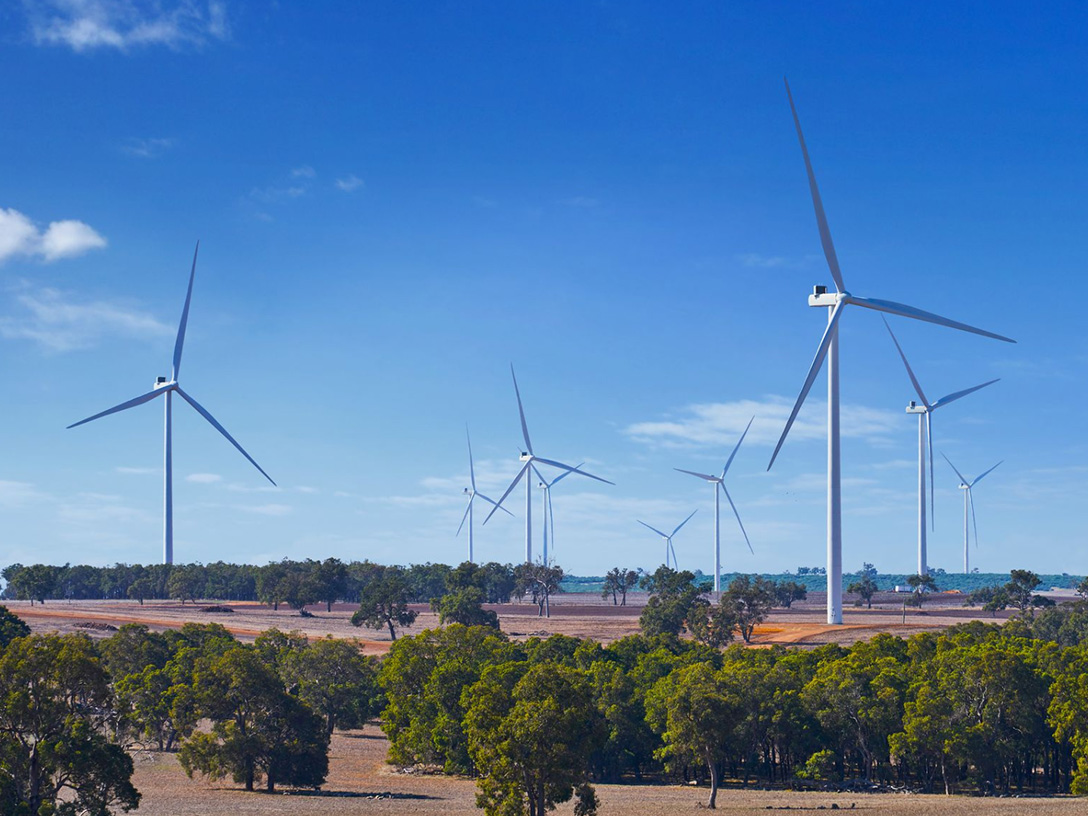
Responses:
[978,708]
[295,583]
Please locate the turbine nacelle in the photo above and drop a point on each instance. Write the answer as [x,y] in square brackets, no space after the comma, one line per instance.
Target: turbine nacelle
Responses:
[821,297]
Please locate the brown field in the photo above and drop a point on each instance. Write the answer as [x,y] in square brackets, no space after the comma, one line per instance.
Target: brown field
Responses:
[360,782]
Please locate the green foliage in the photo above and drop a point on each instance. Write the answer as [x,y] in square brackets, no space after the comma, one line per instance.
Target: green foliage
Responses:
[749,601]
[33,583]
[55,707]
[865,587]
[464,606]
[786,592]
[540,581]
[531,738]
[1021,591]
[383,602]
[820,767]
[618,582]
[673,602]
[11,627]
[336,680]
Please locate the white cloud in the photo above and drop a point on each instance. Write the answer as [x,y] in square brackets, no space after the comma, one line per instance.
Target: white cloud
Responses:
[146,148]
[18,494]
[722,423]
[61,239]
[137,471]
[756,261]
[349,184]
[87,25]
[266,509]
[59,324]
[305,171]
[204,478]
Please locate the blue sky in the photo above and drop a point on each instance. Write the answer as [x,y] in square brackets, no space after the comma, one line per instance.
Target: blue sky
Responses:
[396,201]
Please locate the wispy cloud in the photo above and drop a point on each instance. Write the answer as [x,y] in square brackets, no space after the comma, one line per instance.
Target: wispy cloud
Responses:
[146,148]
[61,239]
[757,261]
[305,171]
[55,321]
[721,423]
[349,183]
[266,509]
[137,471]
[19,494]
[89,25]
[204,478]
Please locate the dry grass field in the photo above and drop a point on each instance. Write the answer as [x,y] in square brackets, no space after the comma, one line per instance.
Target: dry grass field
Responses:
[360,782]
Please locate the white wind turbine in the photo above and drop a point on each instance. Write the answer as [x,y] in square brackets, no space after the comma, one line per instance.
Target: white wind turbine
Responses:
[472,493]
[668,538]
[719,481]
[546,506]
[528,457]
[829,349]
[925,431]
[968,500]
[167,389]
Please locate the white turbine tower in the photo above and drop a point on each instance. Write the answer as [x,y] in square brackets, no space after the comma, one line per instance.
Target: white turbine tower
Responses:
[829,350]
[472,493]
[668,538]
[925,431]
[719,481]
[167,389]
[968,500]
[547,512]
[528,457]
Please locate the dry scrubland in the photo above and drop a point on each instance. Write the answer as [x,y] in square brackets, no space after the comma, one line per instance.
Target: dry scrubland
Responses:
[360,782]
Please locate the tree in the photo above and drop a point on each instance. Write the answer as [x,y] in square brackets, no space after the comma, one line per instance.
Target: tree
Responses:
[259,730]
[384,602]
[465,606]
[673,602]
[330,581]
[34,583]
[540,581]
[617,583]
[866,586]
[55,703]
[336,680]
[694,714]
[531,737]
[922,584]
[750,601]
[712,625]
[786,592]
[11,627]
[1082,588]
[140,589]
[991,599]
[186,581]
[1021,591]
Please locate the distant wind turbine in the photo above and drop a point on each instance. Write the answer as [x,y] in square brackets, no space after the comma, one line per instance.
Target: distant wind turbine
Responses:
[829,349]
[546,512]
[968,500]
[719,481]
[472,493]
[668,538]
[925,430]
[528,457]
[168,388]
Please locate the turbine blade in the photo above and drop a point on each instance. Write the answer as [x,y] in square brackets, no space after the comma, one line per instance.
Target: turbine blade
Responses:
[561,466]
[644,524]
[813,370]
[566,473]
[465,516]
[184,317]
[737,448]
[910,372]
[551,517]
[502,498]
[215,424]
[741,523]
[495,503]
[682,523]
[980,478]
[539,475]
[903,310]
[974,519]
[132,403]
[521,412]
[471,466]
[705,476]
[963,481]
[817,203]
[953,397]
[671,547]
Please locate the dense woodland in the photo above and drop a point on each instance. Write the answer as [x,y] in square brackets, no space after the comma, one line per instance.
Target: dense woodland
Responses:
[977,709]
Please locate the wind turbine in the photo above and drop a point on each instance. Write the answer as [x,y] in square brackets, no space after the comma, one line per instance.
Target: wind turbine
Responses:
[546,510]
[829,349]
[166,388]
[472,493]
[968,499]
[925,430]
[668,538]
[528,457]
[719,481]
